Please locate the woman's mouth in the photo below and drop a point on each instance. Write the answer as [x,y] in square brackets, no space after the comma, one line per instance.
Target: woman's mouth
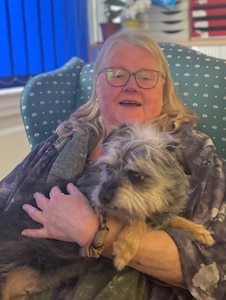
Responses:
[130,103]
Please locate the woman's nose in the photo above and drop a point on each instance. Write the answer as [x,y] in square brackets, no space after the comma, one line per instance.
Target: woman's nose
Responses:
[131,83]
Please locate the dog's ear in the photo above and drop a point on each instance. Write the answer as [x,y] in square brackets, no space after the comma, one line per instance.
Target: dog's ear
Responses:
[179,155]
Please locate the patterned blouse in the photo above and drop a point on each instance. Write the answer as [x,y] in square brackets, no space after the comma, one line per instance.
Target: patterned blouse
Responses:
[204,268]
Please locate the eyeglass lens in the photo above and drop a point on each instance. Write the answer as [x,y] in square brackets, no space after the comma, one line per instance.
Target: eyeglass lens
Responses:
[146,79]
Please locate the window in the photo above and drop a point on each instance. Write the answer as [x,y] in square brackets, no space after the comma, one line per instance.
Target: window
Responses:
[39,36]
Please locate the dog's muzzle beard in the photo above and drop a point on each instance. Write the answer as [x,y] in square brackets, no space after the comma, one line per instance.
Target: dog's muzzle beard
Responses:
[109,195]
[104,197]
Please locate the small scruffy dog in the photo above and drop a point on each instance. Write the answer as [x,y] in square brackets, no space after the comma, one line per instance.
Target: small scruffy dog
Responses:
[141,179]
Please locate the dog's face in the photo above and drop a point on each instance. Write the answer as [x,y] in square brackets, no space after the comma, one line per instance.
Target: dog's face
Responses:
[141,174]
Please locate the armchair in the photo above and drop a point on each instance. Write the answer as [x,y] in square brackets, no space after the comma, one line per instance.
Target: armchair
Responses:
[50,98]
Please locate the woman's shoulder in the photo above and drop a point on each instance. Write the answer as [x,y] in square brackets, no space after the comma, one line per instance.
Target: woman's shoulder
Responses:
[194,142]
[33,168]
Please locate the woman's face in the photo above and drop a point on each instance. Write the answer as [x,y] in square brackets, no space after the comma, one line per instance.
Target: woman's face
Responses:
[128,103]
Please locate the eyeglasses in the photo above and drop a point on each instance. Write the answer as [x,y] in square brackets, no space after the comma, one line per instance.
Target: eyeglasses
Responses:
[145,79]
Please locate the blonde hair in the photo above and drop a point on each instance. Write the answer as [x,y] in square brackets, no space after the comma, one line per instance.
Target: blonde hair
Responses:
[174,114]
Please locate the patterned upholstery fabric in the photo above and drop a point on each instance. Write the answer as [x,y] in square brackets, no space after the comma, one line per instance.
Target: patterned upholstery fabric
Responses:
[48,99]
[200,81]
[201,84]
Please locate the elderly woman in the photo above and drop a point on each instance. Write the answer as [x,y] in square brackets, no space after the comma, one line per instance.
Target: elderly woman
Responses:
[131,83]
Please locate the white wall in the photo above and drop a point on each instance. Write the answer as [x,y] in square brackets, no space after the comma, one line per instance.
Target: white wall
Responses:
[14,145]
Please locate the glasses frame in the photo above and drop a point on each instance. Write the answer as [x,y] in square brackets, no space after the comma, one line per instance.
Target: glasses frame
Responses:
[159,74]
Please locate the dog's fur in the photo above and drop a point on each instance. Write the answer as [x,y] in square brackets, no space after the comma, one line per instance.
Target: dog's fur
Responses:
[142,180]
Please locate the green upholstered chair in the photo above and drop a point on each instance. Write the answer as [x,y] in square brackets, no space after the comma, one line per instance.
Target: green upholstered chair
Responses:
[200,80]
[49,98]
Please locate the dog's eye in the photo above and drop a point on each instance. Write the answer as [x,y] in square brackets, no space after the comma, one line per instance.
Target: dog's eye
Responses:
[134,177]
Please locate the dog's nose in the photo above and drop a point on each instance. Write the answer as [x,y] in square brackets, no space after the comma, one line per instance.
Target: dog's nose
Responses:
[107,192]
[106,196]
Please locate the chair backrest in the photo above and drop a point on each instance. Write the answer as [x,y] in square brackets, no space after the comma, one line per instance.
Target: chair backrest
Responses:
[201,84]
[48,99]
[200,81]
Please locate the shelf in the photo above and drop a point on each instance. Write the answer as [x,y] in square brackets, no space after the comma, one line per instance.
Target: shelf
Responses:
[95,48]
[203,42]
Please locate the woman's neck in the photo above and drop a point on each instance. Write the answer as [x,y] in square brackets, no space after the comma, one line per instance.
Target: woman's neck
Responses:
[96,152]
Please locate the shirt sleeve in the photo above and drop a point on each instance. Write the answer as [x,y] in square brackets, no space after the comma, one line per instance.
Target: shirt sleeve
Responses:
[33,168]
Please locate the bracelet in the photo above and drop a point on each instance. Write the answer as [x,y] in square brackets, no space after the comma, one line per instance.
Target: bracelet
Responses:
[96,247]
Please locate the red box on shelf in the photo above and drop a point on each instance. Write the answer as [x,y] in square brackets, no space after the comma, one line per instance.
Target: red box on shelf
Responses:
[202,13]
[206,3]
[208,23]
[209,33]
[207,19]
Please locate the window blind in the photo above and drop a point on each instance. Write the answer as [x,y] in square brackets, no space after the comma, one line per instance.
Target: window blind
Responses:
[39,36]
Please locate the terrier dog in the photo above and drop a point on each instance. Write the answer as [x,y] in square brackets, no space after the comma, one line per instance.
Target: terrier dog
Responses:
[142,179]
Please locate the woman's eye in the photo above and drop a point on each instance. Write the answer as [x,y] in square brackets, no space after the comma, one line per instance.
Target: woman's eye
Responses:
[144,78]
[119,75]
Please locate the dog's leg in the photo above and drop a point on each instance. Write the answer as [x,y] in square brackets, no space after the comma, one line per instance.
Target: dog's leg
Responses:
[21,282]
[126,246]
[198,231]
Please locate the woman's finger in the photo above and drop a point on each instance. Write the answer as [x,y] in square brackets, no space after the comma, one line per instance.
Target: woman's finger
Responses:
[35,233]
[55,191]
[72,189]
[34,213]
[75,192]
[41,200]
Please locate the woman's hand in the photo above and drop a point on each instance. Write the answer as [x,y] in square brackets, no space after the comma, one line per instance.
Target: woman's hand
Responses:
[71,218]
[64,217]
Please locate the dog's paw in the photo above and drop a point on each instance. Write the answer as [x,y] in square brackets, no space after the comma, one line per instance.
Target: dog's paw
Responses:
[203,236]
[121,256]
[119,263]
[198,231]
